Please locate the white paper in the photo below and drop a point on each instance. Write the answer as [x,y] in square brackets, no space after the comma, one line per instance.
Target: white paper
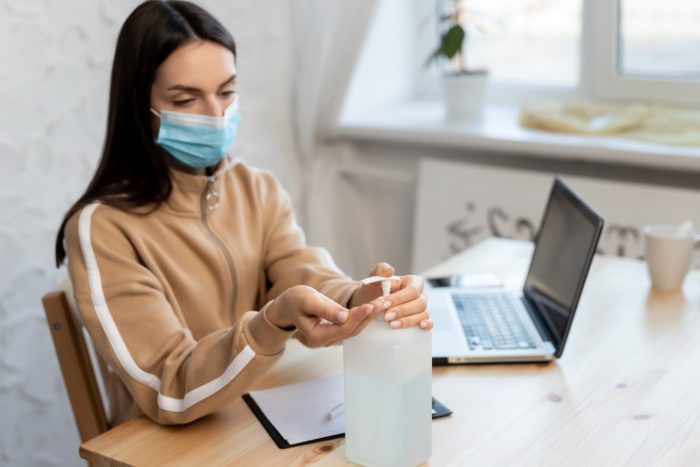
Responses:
[300,411]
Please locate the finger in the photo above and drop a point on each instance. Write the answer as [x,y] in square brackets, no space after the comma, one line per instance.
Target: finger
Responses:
[383,269]
[361,326]
[375,289]
[406,281]
[359,320]
[410,288]
[409,321]
[307,330]
[376,309]
[419,305]
[320,334]
[323,307]
[359,314]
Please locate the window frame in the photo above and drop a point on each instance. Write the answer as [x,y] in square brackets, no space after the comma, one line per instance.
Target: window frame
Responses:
[599,77]
[600,59]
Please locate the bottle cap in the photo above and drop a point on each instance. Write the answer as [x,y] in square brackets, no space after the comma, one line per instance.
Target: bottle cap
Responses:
[386,282]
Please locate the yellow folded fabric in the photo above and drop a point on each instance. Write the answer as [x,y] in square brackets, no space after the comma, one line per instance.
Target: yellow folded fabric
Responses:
[649,122]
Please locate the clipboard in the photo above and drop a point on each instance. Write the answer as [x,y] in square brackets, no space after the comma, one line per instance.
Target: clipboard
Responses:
[272,431]
[278,394]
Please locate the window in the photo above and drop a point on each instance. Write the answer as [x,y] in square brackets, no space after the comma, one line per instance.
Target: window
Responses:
[642,50]
[629,50]
[659,39]
[527,41]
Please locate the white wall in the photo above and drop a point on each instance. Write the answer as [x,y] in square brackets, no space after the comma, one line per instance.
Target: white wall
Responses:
[55,59]
[375,187]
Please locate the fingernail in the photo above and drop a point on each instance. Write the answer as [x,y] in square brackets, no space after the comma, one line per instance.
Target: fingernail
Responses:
[390,316]
[387,304]
[342,316]
[395,324]
[424,324]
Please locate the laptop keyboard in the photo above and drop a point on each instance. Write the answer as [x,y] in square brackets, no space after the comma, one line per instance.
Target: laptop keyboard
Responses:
[490,321]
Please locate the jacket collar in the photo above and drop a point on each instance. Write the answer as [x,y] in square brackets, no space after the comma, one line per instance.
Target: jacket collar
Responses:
[188,189]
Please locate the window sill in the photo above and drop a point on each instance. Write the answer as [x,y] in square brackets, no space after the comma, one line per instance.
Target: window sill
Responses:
[498,131]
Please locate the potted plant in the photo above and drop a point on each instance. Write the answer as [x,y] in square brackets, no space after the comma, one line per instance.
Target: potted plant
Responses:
[464,88]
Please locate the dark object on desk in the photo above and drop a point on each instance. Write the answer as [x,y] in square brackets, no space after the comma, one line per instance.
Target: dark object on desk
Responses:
[446,281]
[440,410]
[470,280]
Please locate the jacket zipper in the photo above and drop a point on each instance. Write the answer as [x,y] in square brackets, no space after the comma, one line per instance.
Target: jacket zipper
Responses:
[207,205]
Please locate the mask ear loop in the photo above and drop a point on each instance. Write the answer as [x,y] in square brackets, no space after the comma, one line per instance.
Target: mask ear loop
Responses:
[154,112]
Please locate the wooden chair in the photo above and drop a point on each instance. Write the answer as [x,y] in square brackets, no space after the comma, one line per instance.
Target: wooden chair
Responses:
[76,364]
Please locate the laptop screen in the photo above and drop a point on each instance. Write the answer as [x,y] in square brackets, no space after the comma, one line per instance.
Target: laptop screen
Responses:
[566,242]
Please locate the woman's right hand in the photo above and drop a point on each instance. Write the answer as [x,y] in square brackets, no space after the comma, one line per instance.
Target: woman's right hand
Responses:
[319,320]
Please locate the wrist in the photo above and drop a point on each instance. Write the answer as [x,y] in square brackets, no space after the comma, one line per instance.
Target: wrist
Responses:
[274,314]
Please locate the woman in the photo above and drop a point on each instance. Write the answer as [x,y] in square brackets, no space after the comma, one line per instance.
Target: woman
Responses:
[173,246]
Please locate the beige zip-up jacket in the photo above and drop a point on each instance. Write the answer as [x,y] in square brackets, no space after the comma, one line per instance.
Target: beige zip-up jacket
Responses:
[170,298]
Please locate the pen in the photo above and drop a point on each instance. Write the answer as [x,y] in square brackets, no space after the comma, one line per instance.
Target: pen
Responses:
[338,409]
[335,411]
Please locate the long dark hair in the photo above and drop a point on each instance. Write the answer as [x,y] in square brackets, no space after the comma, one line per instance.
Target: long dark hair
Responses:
[132,171]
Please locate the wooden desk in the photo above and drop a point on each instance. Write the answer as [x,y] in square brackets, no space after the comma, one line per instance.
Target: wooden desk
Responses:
[626,390]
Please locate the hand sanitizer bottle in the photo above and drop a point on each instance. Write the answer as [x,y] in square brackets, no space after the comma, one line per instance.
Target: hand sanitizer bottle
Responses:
[388,397]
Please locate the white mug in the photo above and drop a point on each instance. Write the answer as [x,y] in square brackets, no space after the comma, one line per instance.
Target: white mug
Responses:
[668,250]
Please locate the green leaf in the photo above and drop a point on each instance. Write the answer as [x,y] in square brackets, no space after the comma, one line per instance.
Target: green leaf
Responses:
[452,40]
[451,44]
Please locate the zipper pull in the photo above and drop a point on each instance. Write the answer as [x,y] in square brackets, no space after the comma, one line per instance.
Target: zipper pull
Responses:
[213,197]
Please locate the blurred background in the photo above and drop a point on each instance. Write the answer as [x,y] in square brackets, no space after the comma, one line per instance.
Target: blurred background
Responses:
[343,103]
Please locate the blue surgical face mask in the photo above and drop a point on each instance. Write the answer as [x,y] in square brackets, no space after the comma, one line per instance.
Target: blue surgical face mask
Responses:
[198,140]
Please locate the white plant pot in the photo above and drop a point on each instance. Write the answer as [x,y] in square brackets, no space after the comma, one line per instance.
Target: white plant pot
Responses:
[464,95]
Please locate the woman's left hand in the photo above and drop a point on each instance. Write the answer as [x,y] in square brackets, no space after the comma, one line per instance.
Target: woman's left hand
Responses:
[405,306]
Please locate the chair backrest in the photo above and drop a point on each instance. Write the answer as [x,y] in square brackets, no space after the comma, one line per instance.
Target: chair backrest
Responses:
[76,366]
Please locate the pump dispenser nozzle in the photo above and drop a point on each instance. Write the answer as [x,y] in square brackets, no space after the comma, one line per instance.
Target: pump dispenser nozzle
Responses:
[386,282]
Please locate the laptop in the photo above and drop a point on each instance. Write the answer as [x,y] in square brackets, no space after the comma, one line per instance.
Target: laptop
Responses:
[498,325]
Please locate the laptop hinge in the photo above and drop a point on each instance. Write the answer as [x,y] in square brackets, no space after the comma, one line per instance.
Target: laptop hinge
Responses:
[541,326]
